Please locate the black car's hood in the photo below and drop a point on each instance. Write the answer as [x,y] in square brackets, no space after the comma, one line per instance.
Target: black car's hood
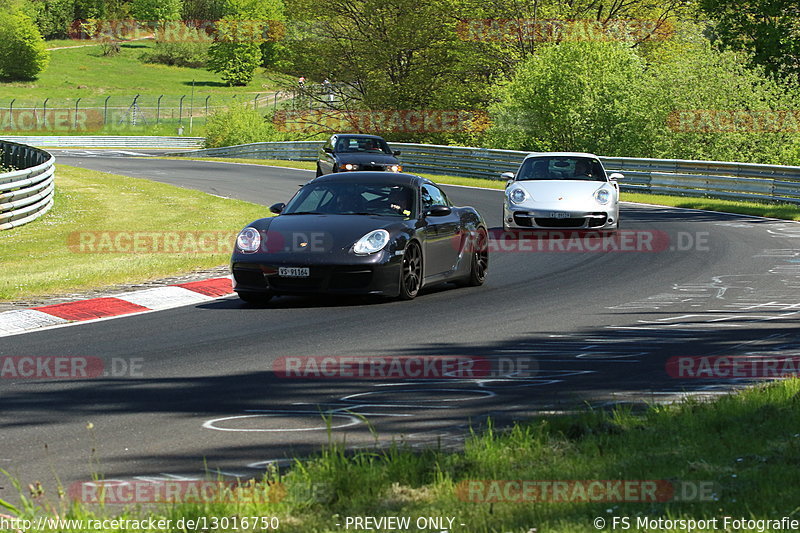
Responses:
[323,234]
[362,158]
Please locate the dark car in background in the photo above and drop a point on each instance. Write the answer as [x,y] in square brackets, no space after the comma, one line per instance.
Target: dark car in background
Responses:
[363,233]
[348,152]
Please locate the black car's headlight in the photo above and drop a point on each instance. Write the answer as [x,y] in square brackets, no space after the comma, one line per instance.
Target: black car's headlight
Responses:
[348,166]
[249,240]
[372,242]
[395,168]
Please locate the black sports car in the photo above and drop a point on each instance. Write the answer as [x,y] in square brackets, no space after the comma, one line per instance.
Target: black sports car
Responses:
[361,233]
[348,152]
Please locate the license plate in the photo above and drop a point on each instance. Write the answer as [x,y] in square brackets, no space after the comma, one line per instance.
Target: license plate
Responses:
[293,272]
[559,214]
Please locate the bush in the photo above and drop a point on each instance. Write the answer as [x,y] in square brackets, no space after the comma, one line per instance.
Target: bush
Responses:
[22,49]
[156,10]
[191,50]
[240,125]
[235,62]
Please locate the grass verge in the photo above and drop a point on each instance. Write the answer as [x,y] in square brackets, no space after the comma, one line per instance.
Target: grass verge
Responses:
[762,209]
[96,204]
[734,457]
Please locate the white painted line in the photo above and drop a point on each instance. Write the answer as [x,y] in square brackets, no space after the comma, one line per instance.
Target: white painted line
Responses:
[20,320]
[159,298]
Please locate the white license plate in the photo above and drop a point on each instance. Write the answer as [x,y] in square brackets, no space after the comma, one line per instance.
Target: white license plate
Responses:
[293,272]
[559,214]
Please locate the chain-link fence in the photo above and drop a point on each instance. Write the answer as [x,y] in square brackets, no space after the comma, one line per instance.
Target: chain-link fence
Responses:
[94,114]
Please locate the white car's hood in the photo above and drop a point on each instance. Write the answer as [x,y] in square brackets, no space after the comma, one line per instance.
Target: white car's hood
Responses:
[559,190]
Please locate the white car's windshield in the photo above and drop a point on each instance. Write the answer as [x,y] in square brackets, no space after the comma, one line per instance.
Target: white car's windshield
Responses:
[562,168]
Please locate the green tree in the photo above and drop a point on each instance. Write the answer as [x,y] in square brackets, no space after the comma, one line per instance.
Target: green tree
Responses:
[156,10]
[571,97]
[768,29]
[22,49]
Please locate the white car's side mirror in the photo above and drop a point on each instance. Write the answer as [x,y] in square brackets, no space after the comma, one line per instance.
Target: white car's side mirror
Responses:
[508,176]
[616,176]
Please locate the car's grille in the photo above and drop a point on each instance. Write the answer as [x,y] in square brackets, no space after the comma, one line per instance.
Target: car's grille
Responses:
[372,167]
[250,278]
[560,222]
[355,279]
[597,222]
[287,284]
[522,220]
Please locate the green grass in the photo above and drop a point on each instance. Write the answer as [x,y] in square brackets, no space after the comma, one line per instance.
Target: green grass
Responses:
[740,452]
[763,209]
[124,75]
[88,201]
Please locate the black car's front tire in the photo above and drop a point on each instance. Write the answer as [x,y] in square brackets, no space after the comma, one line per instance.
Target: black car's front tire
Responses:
[411,272]
[255,298]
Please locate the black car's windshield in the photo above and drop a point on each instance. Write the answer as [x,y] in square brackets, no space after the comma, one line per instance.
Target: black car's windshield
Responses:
[338,198]
[362,144]
[562,168]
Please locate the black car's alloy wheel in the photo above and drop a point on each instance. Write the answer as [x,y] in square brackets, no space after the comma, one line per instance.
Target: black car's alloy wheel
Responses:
[411,273]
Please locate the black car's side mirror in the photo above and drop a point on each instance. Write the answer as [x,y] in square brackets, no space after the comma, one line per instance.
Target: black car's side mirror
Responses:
[439,211]
[277,208]
[327,149]
[396,152]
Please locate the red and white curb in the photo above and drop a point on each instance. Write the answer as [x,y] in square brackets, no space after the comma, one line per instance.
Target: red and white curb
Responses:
[129,303]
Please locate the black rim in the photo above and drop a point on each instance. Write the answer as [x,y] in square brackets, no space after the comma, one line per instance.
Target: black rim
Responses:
[412,269]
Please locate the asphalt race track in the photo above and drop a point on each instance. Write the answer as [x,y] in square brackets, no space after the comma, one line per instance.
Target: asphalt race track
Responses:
[596,327]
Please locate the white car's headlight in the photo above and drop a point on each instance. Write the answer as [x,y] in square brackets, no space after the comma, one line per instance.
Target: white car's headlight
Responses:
[602,196]
[348,166]
[394,168]
[372,242]
[517,195]
[249,240]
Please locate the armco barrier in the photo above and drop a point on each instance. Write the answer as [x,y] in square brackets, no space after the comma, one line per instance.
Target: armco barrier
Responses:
[109,141]
[713,179]
[25,193]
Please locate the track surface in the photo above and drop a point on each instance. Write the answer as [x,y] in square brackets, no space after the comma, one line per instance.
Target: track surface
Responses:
[598,326]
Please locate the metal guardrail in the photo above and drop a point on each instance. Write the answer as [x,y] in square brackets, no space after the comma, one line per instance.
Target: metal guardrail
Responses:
[27,193]
[712,179]
[109,141]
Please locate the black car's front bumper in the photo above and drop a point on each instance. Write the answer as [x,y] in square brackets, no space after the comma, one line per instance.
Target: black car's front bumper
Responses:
[260,275]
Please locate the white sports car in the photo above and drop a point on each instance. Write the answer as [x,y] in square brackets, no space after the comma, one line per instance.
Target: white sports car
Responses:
[561,190]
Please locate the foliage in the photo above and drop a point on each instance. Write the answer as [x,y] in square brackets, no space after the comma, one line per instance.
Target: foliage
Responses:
[22,50]
[240,125]
[604,98]
[769,29]
[152,11]
[53,17]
